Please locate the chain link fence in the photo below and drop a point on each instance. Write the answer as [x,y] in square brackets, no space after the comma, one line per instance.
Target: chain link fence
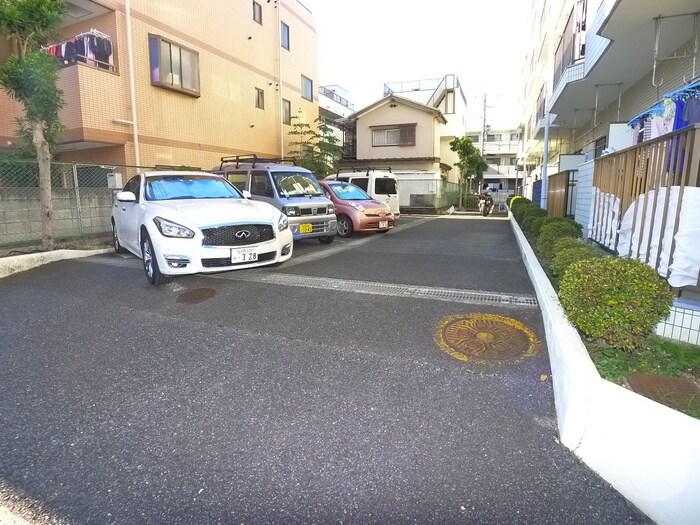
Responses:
[82,196]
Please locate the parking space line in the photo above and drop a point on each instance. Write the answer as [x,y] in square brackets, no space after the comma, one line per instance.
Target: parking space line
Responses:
[330,251]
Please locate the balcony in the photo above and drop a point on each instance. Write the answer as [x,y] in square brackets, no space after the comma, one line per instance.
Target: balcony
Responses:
[94,98]
[503,171]
[572,45]
[501,146]
[619,48]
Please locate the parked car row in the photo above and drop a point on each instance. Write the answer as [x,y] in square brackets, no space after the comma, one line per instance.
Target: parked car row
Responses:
[247,212]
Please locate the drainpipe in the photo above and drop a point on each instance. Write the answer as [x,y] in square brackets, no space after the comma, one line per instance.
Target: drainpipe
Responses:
[545,160]
[279,76]
[132,85]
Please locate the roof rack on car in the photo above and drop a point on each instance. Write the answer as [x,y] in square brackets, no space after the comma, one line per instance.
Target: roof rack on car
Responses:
[366,169]
[253,159]
[374,168]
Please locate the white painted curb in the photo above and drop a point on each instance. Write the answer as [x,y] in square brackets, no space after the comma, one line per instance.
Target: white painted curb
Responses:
[21,263]
[648,452]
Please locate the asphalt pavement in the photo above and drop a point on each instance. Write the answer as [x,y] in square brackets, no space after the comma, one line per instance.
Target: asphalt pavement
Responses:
[312,392]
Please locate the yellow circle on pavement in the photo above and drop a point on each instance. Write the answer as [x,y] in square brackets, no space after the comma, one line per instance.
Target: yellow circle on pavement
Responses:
[486,338]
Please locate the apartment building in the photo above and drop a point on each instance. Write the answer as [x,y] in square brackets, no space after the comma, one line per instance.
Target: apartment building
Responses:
[179,83]
[614,85]
[334,106]
[592,67]
[500,148]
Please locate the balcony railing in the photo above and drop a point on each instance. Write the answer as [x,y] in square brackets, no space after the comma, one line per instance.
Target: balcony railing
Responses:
[335,97]
[572,44]
[643,202]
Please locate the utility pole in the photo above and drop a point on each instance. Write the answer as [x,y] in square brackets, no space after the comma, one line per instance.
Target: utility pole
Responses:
[483,137]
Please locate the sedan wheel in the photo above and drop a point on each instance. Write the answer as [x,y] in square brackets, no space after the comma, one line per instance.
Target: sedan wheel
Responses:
[118,248]
[344,226]
[150,263]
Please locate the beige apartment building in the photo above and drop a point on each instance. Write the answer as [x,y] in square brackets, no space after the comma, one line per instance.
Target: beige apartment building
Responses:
[179,83]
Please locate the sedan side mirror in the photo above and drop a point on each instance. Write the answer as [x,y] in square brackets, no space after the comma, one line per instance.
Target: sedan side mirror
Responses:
[126,196]
[246,194]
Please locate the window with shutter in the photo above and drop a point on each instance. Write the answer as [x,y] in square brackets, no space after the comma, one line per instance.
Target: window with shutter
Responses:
[400,135]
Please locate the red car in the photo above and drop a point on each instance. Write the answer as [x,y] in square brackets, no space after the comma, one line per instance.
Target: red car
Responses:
[356,211]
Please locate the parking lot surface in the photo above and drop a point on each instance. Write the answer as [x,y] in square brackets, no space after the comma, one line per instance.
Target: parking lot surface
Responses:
[358,383]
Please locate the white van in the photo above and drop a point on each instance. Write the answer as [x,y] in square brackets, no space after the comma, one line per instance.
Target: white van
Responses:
[380,184]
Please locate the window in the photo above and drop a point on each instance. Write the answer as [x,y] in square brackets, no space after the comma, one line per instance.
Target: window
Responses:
[260,184]
[361,183]
[286,111]
[600,145]
[473,138]
[285,36]
[307,88]
[259,98]
[385,186]
[493,138]
[173,66]
[402,135]
[514,137]
[257,12]
[238,179]
[513,161]
[134,186]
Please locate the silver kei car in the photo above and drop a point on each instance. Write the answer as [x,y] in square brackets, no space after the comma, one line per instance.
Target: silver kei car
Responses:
[182,222]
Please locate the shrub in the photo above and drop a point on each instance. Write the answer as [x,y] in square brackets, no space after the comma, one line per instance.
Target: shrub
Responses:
[566,256]
[523,209]
[516,200]
[617,300]
[537,227]
[531,215]
[552,229]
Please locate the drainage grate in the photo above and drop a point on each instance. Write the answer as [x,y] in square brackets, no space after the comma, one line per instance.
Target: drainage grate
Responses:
[454,295]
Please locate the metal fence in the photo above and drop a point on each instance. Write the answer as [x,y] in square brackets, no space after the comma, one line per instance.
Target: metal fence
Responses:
[426,194]
[81,194]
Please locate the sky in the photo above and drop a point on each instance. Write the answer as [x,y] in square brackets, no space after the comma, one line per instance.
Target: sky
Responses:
[363,44]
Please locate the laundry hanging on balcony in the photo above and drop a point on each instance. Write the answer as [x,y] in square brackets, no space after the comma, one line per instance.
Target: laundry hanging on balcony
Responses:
[92,47]
[678,109]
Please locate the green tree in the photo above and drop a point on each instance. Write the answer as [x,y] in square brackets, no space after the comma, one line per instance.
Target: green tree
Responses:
[471,163]
[315,147]
[29,76]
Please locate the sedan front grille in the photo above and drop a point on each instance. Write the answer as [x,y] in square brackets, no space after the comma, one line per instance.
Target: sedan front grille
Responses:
[237,235]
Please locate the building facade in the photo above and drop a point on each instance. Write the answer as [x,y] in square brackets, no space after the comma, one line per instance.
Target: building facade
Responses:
[592,67]
[164,84]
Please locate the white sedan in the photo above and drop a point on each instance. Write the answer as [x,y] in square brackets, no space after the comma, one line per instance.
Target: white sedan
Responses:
[182,222]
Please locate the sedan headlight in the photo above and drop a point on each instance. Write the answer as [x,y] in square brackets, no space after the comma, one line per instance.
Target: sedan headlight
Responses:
[282,223]
[172,229]
[331,209]
[291,211]
[358,207]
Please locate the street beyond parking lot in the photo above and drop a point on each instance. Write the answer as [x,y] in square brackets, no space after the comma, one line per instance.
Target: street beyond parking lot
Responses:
[358,383]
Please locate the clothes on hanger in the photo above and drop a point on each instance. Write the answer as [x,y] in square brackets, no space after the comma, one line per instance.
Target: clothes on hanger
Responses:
[92,47]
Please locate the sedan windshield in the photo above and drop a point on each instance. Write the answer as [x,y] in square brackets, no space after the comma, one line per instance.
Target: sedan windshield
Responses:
[349,192]
[175,187]
[295,184]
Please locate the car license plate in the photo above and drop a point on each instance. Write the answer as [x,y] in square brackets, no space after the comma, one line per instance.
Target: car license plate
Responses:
[383,224]
[243,255]
[306,228]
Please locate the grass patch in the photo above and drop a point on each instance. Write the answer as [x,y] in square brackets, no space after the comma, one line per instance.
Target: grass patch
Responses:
[659,356]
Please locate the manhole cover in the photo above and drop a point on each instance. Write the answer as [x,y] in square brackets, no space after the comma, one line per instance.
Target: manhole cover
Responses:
[486,338]
[197,295]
